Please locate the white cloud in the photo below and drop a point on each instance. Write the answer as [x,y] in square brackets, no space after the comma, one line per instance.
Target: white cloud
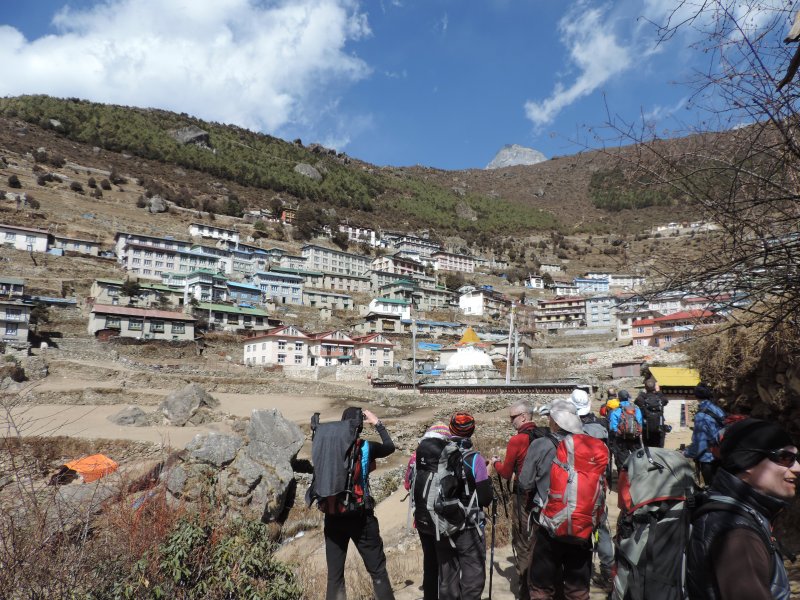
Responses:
[594,50]
[262,65]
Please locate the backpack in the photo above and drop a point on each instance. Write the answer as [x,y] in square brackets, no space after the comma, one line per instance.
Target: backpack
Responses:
[342,464]
[576,499]
[597,428]
[656,487]
[653,413]
[534,433]
[628,427]
[444,500]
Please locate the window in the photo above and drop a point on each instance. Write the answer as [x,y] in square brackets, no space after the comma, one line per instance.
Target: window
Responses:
[10,237]
[136,261]
[113,323]
[148,262]
[667,338]
[373,351]
[179,327]
[640,330]
[385,352]
[263,345]
[373,363]
[13,314]
[386,363]
[11,329]
[281,344]
[298,359]
[157,326]
[298,346]
[146,271]
[281,359]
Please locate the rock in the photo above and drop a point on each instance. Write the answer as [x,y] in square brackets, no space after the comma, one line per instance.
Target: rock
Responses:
[514,154]
[179,407]
[56,124]
[464,211]
[272,438]
[175,479]
[217,449]
[191,135]
[131,416]
[157,204]
[308,171]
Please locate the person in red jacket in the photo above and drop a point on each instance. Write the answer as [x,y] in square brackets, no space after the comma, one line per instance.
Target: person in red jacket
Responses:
[521,418]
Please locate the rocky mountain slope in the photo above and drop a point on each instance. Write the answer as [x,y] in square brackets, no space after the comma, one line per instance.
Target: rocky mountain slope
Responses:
[512,155]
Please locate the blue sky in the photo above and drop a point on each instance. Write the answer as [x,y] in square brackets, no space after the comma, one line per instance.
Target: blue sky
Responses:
[441,83]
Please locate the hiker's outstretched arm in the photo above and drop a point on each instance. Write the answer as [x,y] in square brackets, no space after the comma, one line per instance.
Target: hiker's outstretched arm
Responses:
[386,445]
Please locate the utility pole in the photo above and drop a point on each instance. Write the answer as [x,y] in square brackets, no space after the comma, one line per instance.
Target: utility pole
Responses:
[508,346]
[516,353]
[413,353]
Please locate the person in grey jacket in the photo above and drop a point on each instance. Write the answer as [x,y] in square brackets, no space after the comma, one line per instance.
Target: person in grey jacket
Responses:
[555,564]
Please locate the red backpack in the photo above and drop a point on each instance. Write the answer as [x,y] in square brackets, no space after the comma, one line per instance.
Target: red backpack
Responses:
[577,494]
[629,427]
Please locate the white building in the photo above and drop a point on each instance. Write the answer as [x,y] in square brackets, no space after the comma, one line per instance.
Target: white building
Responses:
[591,286]
[127,321]
[399,265]
[24,238]
[616,280]
[374,350]
[331,300]
[328,260]
[534,282]
[550,268]
[359,234]
[450,261]
[482,302]
[79,245]
[14,317]
[391,306]
[281,288]
[12,288]
[285,345]
[213,232]
[412,243]
[600,312]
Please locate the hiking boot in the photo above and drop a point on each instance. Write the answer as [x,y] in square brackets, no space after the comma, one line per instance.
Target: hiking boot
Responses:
[604,580]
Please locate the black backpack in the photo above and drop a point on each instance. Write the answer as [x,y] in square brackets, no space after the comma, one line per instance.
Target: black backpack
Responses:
[653,409]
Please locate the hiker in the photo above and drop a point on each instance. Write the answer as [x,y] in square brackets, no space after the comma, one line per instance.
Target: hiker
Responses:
[624,428]
[463,490]
[652,402]
[349,514]
[611,395]
[426,532]
[597,428]
[521,417]
[555,562]
[708,420]
[732,553]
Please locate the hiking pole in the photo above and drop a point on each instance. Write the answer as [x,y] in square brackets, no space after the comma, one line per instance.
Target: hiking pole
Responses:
[502,495]
[491,554]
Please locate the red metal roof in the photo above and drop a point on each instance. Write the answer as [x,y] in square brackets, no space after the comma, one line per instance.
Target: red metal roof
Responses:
[686,314]
[145,313]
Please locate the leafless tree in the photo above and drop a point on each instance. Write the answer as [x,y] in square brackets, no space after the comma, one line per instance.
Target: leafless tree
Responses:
[739,171]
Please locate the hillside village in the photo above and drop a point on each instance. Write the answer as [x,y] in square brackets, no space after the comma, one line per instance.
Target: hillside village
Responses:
[211,280]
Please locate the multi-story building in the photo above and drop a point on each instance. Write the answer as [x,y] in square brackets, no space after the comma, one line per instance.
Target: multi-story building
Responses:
[590,286]
[14,318]
[144,323]
[206,286]
[151,262]
[12,288]
[224,317]
[625,316]
[564,288]
[213,232]
[617,280]
[123,238]
[550,267]
[346,283]
[669,329]
[398,265]
[243,293]
[284,345]
[280,288]
[534,282]
[330,300]
[600,312]
[450,261]
[109,292]
[561,313]
[391,306]
[331,348]
[24,238]
[292,261]
[72,244]
[314,279]
[484,302]
[328,260]
[373,350]
[412,243]
[359,235]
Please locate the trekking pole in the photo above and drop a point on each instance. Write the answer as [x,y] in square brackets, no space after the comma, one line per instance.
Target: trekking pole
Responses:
[502,494]
[491,554]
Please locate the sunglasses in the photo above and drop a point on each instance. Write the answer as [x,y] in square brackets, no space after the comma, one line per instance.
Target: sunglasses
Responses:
[784,458]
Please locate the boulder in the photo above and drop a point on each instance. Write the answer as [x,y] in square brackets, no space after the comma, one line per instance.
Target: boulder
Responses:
[308,171]
[157,204]
[272,438]
[131,416]
[179,407]
[191,135]
[217,449]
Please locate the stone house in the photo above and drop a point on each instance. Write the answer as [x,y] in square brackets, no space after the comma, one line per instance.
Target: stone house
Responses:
[144,323]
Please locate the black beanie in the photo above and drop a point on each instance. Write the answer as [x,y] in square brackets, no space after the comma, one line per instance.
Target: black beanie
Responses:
[351,413]
[745,443]
[703,392]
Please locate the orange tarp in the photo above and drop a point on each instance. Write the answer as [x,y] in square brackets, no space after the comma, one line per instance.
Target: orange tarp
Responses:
[92,467]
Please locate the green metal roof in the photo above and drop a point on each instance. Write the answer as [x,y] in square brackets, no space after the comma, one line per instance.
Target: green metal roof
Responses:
[232,309]
[393,300]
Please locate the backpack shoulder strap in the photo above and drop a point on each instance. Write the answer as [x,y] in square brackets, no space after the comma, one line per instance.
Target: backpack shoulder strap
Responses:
[720,421]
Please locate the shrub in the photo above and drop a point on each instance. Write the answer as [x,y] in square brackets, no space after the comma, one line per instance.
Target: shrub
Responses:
[91,183]
[33,203]
[116,178]
[96,193]
[105,184]
[75,186]
[141,202]
[41,180]
[14,182]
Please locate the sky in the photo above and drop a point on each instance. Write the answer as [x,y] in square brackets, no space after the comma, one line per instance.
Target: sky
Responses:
[440,83]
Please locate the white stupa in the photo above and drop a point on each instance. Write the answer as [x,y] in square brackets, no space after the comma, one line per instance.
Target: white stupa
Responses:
[470,365]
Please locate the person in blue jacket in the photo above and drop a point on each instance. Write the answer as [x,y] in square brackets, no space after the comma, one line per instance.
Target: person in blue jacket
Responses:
[708,420]
[622,446]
